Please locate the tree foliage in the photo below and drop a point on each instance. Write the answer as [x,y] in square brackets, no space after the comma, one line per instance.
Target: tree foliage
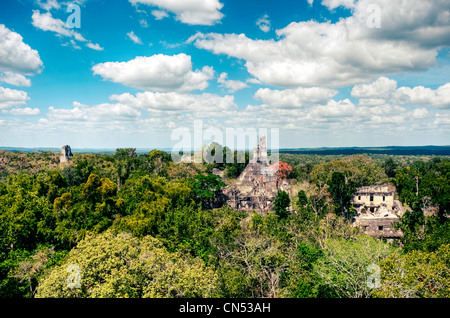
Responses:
[416,274]
[341,190]
[359,169]
[281,204]
[346,265]
[121,265]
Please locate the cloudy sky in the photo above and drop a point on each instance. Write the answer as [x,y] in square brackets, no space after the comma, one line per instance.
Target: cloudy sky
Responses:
[324,72]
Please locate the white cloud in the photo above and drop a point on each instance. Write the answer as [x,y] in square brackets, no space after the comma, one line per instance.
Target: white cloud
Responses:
[45,22]
[264,23]
[10,98]
[16,56]
[95,46]
[157,73]
[333,108]
[203,105]
[442,119]
[143,23]
[424,96]
[72,44]
[344,53]
[424,23]
[333,4]
[194,12]
[96,113]
[159,14]
[253,81]
[140,113]
[14,79]
[48,5]
[133,37]
[231,85]
[385,90]
[57,4]
[294,98]
[27,111]
[420,113]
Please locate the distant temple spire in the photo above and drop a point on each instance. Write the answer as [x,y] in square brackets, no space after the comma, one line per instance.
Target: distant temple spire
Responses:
[66,153]
[260,151]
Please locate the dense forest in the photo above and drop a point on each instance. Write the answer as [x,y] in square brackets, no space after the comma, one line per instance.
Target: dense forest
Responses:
[137,225]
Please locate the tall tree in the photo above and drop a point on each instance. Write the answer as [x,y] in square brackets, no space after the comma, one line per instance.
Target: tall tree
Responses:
[281,204]
[341,190]
[390,167]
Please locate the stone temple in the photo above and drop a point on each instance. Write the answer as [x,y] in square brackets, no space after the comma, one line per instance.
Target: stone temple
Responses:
[257,186]
[377,211]
[66,153]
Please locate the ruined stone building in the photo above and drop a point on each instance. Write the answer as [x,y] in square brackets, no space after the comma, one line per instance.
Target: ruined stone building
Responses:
[377,210]
[257,185]
[66,153]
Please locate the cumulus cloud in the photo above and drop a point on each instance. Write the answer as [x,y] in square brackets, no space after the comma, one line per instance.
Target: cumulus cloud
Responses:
[344,53]
[27,111]
[231,85]
[140,113]
[14,79]
[46,22]
[93,113]
[16,56]
[194,12]
[294,98]
[424,96]
[199,105]
[10,98]
[157,73]
[383,87]
[385,90]
[133,37]
[333,109]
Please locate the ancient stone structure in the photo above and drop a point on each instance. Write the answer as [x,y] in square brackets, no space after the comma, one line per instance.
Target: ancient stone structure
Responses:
[66,153]
[257,186]
[377,210]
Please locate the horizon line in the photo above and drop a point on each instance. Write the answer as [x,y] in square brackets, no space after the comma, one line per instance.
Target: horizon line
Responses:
[168,148]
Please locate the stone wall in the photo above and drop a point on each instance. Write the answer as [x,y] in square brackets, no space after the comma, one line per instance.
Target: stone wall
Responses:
[380,227]
[377,210]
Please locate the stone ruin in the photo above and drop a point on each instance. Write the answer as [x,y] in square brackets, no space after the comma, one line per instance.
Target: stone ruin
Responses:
[257,186]
[377,210]
[66,153]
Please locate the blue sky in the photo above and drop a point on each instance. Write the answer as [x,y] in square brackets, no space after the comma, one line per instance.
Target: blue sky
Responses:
[323,72]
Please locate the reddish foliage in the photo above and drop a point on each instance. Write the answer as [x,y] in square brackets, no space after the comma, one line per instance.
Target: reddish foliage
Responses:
[282,169]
